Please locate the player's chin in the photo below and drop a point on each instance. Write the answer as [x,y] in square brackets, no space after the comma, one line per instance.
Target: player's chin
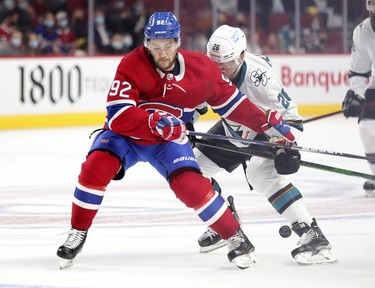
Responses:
[164,65]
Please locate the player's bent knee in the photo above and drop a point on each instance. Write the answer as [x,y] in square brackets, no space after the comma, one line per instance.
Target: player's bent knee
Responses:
[99,168]
[190,186]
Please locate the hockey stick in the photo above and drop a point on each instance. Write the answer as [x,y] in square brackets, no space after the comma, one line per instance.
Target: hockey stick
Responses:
[276,145]
[269,155]
[322,116]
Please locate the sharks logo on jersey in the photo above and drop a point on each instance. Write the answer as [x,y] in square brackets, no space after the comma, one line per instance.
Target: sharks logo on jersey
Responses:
[259,77]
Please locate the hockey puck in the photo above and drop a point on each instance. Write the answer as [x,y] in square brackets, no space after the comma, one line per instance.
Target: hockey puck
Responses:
[285,231]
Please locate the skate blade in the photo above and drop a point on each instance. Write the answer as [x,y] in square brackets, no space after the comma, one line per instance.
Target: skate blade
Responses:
[214,247]
[308,258]
[65,263]
[245,261]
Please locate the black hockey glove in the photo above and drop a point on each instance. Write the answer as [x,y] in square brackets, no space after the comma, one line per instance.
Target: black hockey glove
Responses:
[287,161]
[351,106]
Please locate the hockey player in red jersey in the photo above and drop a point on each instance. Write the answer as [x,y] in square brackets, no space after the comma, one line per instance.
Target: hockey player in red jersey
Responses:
[155,91]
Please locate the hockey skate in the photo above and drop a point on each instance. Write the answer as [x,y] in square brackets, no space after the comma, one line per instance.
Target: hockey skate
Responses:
[241,251]
[314,247]
[72,246]
[210,241]
[369,187]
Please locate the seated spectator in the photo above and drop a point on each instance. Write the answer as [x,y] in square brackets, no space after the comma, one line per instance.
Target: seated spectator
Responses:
[314,38]
[7,26]
[102,35]
[66,35]
[79,28]
[272,45]
[27,17]
[15,46]
[118,45]
[48,35]
[33,44]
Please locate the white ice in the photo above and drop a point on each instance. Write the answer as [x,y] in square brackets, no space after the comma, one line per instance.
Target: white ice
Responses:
[144,237]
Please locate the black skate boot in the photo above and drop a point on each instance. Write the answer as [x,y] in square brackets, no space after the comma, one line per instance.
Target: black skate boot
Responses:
[210,241]
[72,246]
[369,188]
[314,247]
[241,251]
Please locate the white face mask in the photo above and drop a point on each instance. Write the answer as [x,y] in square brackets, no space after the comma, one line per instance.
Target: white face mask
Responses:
[99,20]
[33,44]
[117,45]
[16,42]
[63,23]
[128,40]
[49,23]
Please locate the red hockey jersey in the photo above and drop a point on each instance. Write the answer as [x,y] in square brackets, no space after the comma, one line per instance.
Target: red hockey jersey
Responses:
[139,88]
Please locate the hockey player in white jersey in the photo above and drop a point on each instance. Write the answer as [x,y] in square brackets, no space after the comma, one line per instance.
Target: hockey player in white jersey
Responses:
[360,99]
[254,76]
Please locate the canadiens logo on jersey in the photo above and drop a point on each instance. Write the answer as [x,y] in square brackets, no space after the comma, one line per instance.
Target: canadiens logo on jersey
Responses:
[259,77]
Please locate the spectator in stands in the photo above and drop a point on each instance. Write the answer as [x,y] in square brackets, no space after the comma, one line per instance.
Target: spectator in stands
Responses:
[314,38]
[27,17]
[119,45]
[139,22]
[272,45]
[79,28]
[15,46]
[47,34]
[33,44]
[286,38]
[66,35]
[102,35]
[7,26]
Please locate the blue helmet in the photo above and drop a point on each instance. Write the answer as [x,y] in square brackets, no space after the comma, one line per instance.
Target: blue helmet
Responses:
[162,25]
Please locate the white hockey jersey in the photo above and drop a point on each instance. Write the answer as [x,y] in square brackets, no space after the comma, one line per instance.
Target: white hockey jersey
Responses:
[261,84]
[362,59]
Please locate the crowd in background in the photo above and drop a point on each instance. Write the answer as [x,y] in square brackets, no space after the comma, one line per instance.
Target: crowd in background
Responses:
[60,27]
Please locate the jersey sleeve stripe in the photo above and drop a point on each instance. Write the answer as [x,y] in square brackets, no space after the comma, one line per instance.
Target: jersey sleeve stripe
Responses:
[229,106]
[114,112]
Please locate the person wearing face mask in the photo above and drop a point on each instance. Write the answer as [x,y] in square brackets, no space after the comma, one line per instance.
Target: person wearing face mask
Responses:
[102,35]
[46,31]
[314,38]
[33,44]
[15,46]
[7,25]
[121,44]
[66,35]
[26,15]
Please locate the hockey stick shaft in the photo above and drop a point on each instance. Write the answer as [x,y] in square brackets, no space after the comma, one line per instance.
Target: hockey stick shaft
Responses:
[276,145]
[269,155]
[322,116]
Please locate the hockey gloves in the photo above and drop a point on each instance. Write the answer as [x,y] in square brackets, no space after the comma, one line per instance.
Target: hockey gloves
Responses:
[287,161]
[277,127]
[167,127]
[351,106]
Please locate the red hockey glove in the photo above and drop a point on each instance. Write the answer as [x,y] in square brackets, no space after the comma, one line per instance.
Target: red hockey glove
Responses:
[277,127]
[167,127]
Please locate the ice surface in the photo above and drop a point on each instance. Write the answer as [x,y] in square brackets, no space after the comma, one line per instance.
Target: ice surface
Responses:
[144,237]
